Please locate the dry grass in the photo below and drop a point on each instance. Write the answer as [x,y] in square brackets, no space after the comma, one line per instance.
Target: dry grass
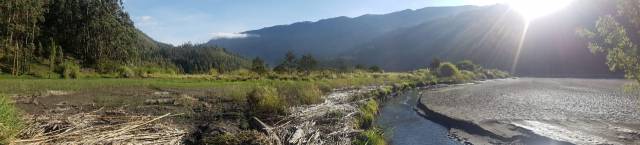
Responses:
[100,128]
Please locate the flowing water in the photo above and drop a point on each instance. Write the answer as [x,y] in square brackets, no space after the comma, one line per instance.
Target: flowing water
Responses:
[403,126]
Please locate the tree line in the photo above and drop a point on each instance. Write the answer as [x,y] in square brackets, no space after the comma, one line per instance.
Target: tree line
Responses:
[92,34]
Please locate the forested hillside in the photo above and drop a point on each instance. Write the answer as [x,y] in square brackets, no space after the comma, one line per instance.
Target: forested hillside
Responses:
[42,37]
[329,37]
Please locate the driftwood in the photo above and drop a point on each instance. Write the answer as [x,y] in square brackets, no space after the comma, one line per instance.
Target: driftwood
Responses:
[330,122]
[266,129]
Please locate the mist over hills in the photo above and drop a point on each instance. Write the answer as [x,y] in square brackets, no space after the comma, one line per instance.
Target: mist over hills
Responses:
[405,40]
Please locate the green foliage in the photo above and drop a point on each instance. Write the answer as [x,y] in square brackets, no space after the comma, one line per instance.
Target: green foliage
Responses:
[615,39]
[447,70]
[19,21]
[370,137]
[264,102]
[494,74]
[376,69]
[96,34]
[307,63]
[10,123]
[42,71]
[288,65]
[203,58]
[125,72]
[368,113]
[259,66]
[301,93]
[69,70]
[468,66]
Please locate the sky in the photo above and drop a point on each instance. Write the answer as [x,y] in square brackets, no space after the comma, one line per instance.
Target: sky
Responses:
[197,21]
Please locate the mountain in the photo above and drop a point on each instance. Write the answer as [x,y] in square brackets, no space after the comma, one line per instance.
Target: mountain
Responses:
[487,35]
[491,36]
[329,37]
[410,39]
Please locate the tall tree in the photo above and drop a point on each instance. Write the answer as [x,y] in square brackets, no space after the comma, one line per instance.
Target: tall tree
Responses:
[307,63]
[617,36]
[288,65]
[259,66]
[19,27]
[97,32]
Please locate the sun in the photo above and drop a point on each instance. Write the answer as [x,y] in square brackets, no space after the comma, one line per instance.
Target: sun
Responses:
[532,9]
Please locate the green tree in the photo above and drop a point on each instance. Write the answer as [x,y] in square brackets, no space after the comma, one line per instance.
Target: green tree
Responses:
[19,30]
[613,35]
[259,66]
[288,65]
[375,69]
[307,63]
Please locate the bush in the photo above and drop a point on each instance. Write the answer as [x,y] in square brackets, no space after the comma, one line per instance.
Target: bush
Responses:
[447,70]
[69,69]
[214,72]
[42,71]
[301,93]
[264,101]
[125,72]
[467,65]
[368,113]
[370,137]
[10,123]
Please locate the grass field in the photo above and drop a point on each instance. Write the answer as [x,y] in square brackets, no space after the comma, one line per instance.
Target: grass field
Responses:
[307,90]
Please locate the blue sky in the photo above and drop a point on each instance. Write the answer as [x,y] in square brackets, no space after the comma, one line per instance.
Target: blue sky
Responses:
[180,21]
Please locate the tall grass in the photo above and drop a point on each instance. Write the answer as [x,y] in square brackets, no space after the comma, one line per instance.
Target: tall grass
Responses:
[10,123]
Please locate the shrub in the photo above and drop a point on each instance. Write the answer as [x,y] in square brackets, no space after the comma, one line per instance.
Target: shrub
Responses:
[467,65]
[10,123]
[301,93]
[125,72]
[368,113]
[264,101]
[42,71]
[69,69]
[214,72]
[447,70]
[370,137]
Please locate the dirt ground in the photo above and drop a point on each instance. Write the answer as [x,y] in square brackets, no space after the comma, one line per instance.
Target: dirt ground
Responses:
[192,116]
[193,112]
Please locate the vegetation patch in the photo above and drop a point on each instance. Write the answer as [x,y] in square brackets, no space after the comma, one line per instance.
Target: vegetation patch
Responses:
[10,123]
[370,137]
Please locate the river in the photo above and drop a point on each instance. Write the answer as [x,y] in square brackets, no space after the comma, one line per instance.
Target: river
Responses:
[403,126]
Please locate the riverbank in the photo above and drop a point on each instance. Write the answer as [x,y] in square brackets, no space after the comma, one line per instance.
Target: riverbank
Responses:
[536,111]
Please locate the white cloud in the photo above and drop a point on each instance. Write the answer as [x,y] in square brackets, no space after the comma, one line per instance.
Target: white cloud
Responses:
[226,35]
